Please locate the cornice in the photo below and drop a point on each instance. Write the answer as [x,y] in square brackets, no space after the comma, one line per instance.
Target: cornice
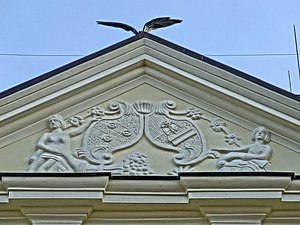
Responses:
[154,189]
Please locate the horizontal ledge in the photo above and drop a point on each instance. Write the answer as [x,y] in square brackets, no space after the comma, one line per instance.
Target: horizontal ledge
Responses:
[115,198]
[183,183]
[151,177]
[228,174]
[55,195]
[50,174]
[235,195]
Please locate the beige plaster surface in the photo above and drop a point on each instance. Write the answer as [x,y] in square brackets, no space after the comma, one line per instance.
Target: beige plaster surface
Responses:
[15,156]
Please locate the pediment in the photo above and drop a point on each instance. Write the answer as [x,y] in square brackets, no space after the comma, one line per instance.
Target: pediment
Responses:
[145,107]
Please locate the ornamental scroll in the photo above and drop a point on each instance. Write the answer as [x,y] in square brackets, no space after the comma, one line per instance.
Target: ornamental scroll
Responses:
[124,124]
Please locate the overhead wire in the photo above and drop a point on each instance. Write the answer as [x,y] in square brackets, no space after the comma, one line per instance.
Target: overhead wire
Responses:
[39,55]
[216,55]
[254,54]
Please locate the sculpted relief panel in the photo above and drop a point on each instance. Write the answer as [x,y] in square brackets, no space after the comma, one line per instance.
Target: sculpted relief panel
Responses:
[123,125]
[249,158]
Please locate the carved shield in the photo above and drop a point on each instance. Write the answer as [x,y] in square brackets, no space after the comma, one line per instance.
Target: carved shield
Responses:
[180,135]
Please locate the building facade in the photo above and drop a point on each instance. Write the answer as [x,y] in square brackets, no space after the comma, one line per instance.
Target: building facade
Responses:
[148,132]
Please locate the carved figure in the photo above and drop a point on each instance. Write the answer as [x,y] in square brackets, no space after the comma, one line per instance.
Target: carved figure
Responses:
[249,158]
[54,151]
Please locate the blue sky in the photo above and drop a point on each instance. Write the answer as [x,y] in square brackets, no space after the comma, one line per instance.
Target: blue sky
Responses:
[211,27]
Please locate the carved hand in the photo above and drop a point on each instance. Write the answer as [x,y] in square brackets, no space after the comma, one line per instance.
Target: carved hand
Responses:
[246,157]
[32,159]
[215,153]
[81,153]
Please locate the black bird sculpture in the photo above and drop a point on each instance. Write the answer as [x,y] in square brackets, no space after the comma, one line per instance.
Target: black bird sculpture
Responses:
[150,25]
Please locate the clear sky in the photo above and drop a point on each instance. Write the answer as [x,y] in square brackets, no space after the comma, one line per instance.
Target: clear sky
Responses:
[209,27]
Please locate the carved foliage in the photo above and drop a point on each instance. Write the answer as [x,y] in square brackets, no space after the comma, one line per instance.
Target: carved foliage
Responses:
[136,164]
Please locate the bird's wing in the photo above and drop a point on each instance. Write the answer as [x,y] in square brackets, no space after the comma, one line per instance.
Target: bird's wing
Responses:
[159,23]
[118,25]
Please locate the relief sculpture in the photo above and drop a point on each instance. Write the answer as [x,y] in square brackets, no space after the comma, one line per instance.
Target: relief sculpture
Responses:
[249,158]
[124,124]
[111,134]
[180,135]
[53,146]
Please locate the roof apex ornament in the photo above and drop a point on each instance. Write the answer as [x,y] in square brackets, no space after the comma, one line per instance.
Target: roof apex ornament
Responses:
[153,24]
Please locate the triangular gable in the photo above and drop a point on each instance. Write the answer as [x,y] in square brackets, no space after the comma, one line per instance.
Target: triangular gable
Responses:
[174,110]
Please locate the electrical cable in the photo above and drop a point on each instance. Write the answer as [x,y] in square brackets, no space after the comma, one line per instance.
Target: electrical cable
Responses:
[38,55]
[215,55]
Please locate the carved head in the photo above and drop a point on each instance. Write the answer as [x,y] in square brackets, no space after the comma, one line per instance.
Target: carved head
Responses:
[261,133]
[56,121]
